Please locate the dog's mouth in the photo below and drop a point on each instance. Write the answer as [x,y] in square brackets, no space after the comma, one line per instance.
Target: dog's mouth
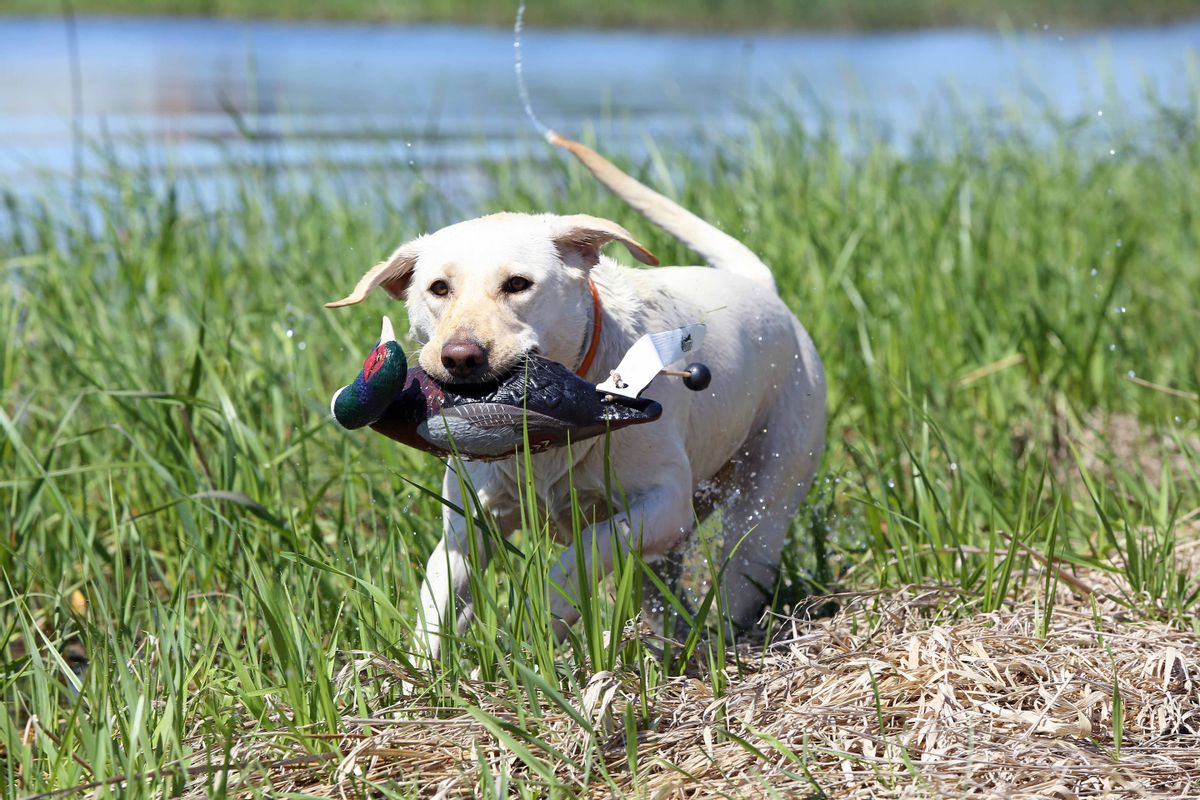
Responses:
[488,381]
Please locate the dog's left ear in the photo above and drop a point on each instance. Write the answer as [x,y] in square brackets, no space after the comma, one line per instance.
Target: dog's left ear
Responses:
[393,273]
[579,238]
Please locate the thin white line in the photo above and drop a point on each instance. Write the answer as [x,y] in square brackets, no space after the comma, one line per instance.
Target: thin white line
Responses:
[519,69]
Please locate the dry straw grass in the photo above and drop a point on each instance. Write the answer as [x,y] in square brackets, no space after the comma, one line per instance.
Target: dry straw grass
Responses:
[890,697]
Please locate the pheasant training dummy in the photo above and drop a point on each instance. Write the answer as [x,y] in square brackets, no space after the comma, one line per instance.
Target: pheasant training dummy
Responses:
[539,398]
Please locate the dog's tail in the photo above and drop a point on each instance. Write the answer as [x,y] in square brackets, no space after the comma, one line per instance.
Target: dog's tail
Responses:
[719,249]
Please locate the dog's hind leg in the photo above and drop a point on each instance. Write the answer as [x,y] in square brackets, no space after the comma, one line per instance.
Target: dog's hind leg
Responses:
[755,528]
[774,470]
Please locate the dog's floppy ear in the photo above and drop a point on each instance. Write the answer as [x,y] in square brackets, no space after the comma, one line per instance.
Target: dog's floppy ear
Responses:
[393,274]
[579,238]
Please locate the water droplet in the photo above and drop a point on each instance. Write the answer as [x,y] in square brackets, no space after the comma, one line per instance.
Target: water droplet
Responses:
[1112,152]
[1100,112]
[1095,272]
[1177,420]
[290,333]
[1112,348]
[891,484]
[303,345]
[953,467]
[1131,374]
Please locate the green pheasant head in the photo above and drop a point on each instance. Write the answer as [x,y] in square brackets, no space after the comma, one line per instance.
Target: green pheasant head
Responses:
[377,385]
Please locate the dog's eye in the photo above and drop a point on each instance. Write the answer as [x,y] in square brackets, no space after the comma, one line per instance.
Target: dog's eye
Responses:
[516,283]
[439,288]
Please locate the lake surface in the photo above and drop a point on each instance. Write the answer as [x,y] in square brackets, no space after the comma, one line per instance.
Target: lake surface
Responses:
[185,92]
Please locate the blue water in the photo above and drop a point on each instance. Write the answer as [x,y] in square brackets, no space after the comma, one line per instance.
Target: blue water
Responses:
[183,93]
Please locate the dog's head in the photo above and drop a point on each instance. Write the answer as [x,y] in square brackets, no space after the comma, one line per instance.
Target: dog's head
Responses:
[484,293]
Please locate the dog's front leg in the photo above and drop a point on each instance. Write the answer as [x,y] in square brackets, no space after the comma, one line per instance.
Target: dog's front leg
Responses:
[657,520]
[446,589]
[447,586]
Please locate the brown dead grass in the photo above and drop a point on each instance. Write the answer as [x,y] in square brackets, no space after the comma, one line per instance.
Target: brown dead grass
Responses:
[890,697]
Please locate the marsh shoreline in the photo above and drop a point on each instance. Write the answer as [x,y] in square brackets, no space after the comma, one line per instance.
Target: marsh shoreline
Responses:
[677,15]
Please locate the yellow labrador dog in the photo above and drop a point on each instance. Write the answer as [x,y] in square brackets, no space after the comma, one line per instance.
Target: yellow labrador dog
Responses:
[483,293]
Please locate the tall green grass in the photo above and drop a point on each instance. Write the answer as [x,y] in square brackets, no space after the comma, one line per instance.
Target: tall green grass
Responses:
[177,511]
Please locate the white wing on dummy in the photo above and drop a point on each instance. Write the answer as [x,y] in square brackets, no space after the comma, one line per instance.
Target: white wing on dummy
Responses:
[650,355]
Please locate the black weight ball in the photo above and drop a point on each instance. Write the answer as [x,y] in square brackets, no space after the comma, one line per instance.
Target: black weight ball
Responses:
[698,377]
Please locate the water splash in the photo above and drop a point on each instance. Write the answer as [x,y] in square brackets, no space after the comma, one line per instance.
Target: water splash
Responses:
[519,71]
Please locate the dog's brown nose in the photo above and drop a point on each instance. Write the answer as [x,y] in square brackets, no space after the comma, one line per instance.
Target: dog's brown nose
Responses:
[464,359]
